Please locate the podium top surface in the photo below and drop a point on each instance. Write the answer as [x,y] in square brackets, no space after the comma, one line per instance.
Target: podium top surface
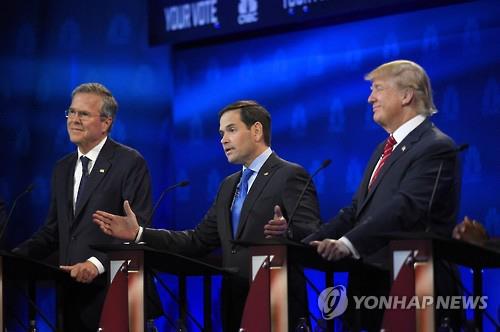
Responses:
[306,256]
[21,268]
[164,261]
[455,251]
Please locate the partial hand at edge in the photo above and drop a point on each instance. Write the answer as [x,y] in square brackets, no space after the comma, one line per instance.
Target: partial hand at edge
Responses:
[470,231]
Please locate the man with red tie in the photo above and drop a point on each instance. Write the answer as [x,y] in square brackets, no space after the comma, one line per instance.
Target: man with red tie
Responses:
[398,182]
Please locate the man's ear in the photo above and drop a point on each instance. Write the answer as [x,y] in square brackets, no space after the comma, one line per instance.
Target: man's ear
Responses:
[107,121]
[258,131]
[407,96]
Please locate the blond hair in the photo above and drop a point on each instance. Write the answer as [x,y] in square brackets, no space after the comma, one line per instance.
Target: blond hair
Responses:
[408,74]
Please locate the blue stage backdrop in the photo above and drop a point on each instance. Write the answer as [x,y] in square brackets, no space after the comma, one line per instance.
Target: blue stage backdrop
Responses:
[311,81]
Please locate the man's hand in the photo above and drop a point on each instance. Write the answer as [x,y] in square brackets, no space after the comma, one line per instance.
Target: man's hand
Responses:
[125,228]
[277,226]
[470,231]
[331,250]
[82,272]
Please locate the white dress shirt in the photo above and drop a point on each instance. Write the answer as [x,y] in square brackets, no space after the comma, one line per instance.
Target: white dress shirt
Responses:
[92,155]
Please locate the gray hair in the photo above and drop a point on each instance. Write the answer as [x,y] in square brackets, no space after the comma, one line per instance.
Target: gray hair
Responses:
[109,104]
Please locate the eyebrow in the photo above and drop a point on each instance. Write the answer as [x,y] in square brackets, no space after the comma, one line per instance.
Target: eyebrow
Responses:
[227,126]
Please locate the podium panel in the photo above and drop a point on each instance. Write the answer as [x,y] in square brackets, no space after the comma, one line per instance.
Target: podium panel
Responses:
[268,295]
[128,264]
[19,269]
[413,269]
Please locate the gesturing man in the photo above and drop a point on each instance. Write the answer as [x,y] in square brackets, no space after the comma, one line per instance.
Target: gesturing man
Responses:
[242,210]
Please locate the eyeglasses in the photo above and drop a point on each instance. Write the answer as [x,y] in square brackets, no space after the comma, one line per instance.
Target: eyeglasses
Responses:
[82,115]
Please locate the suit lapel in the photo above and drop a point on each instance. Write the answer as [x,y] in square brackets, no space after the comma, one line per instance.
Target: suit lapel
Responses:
[68,186]
[263,177]
[369,170]
[99,171]
[402,148]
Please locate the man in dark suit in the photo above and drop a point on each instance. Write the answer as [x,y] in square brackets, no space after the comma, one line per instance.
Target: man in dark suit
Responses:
[268,182]
[100,175]
[398,182]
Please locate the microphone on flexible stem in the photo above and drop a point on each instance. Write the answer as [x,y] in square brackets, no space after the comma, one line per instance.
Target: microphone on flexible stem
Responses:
[166,190]
[459,149]
[323,165]
[26,191]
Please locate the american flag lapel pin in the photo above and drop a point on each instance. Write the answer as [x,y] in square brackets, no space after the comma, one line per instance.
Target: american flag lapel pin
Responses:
[101,170]
[403,148]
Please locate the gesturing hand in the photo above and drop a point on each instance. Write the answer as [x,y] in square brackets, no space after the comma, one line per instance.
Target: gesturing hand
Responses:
[122,227]
[276,226]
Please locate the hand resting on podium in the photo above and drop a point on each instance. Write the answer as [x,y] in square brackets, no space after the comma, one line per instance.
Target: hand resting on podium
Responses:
[84,272]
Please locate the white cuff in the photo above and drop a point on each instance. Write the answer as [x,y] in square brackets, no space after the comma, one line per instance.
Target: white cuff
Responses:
[139,235]
[354,252]
[98,264]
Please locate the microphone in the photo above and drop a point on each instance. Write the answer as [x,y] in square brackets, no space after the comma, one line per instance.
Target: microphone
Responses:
[323,165]
[166,190]
[26,191]
[459,149]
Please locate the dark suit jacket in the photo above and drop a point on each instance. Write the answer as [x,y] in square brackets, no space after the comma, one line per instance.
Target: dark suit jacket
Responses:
[119,173]
[277,183]
[399,198]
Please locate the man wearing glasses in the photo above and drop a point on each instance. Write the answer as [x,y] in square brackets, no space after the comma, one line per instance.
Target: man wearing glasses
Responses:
[100,175]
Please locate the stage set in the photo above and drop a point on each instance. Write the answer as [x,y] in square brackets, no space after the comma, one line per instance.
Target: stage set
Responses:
[172,66]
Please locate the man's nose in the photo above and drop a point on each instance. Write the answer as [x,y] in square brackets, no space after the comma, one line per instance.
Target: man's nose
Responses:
[371,99]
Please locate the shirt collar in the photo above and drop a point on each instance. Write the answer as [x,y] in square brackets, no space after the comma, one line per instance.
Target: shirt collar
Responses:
[256,165]
[94,153]
[407,127]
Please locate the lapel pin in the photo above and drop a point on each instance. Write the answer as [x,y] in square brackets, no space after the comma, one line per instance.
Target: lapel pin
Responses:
[266,173]
[403,148]
[101,170]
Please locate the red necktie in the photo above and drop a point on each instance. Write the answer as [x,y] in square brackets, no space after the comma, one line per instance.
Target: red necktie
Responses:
[389,144]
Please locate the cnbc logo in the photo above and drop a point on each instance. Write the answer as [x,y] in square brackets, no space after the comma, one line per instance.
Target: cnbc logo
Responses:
[248,11]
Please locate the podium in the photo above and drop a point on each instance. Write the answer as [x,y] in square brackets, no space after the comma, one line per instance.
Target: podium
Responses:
[413,259]
[125,299]
[15,268]
[270,261]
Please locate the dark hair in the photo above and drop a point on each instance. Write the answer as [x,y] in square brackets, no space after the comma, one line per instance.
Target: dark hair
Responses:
[250,113]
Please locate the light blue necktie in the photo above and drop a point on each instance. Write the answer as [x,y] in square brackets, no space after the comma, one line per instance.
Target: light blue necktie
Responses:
[239,198]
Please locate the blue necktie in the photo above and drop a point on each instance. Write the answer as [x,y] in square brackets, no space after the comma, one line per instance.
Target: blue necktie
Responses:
[85,174]
[239,198]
